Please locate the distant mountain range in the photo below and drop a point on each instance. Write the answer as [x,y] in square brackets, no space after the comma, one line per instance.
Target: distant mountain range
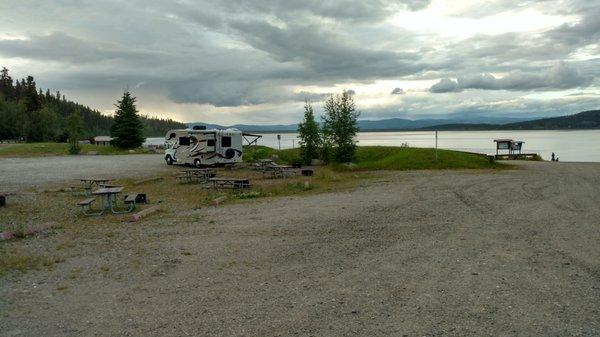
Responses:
[583,120]
[392,124]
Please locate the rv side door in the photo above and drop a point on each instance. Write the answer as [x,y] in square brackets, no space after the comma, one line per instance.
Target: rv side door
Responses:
[183,148]
[210,142]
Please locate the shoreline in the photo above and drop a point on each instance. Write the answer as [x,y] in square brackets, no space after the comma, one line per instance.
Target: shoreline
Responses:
[426,130]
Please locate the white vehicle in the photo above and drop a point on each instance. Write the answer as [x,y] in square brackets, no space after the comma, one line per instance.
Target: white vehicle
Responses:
[206,147]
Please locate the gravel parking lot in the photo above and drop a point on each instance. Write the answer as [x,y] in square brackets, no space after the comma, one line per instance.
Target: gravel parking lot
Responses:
[430,253]
[17,173]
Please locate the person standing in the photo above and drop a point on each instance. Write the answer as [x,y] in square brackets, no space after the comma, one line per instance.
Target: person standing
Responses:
[553,156]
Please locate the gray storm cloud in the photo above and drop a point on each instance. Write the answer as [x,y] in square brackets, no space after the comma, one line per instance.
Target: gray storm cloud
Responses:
[560,76]
[61,47]
[235,53]
[445,85]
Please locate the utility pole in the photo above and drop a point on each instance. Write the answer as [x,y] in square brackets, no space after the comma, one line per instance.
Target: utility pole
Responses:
[279,141]
[436,145]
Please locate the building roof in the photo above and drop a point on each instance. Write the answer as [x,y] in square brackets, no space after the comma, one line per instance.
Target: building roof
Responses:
[103,139]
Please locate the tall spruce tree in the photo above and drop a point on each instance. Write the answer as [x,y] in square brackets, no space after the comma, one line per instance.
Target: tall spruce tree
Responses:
[6,84]
[310,135]
[35,127]
[127,129]
[340,126]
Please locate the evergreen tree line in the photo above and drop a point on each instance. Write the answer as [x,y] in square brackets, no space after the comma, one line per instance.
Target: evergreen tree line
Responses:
[33,115]
[335,139]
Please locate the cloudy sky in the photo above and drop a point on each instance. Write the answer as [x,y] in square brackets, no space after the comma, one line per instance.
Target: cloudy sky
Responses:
[235,61]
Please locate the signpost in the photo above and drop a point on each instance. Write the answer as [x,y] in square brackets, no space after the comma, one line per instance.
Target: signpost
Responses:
[279,141]
[436,145]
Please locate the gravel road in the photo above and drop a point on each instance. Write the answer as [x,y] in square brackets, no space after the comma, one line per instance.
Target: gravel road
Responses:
[17,173]
[511,253]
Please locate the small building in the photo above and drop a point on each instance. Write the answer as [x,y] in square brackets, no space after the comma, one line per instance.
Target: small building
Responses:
[102,140]
[509,145]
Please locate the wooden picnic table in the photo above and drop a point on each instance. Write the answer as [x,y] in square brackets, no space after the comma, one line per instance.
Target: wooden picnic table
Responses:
[280,170]
[199,174]
[109,196]
[88,183]
[265,162]
[236,183]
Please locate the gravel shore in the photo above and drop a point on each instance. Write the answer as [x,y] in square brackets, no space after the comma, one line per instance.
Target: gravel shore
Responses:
[433,253]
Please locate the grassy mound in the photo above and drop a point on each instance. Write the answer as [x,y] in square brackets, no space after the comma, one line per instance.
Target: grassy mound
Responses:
[397,158]
[391,158]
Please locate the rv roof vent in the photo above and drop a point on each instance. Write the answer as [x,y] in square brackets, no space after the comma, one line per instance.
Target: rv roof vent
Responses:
[199,127]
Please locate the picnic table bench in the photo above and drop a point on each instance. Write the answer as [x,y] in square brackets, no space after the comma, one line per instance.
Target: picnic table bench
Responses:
[235,183]
[86,207]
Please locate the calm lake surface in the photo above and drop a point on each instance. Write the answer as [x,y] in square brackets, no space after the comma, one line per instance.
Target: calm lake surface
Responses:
[579,145]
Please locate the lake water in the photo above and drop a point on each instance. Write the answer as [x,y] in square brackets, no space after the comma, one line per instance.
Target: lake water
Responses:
[578,145]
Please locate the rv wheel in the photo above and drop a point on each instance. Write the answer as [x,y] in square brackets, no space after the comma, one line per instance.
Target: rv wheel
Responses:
[230,153]
[169,160]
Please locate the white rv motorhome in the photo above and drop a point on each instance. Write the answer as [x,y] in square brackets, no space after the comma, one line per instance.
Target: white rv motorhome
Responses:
[206,147]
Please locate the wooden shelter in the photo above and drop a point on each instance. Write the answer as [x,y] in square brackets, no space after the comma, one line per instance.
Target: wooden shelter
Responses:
[514,150]
[512,146]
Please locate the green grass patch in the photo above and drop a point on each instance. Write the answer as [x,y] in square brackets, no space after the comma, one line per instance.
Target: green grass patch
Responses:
[390,158]
[406,158]
[59,149]
[257,152]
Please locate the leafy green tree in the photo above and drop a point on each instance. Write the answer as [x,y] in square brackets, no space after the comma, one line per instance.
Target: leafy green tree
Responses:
[48,123]
[340,126]
[127,129]
[75,130]
[310,135]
